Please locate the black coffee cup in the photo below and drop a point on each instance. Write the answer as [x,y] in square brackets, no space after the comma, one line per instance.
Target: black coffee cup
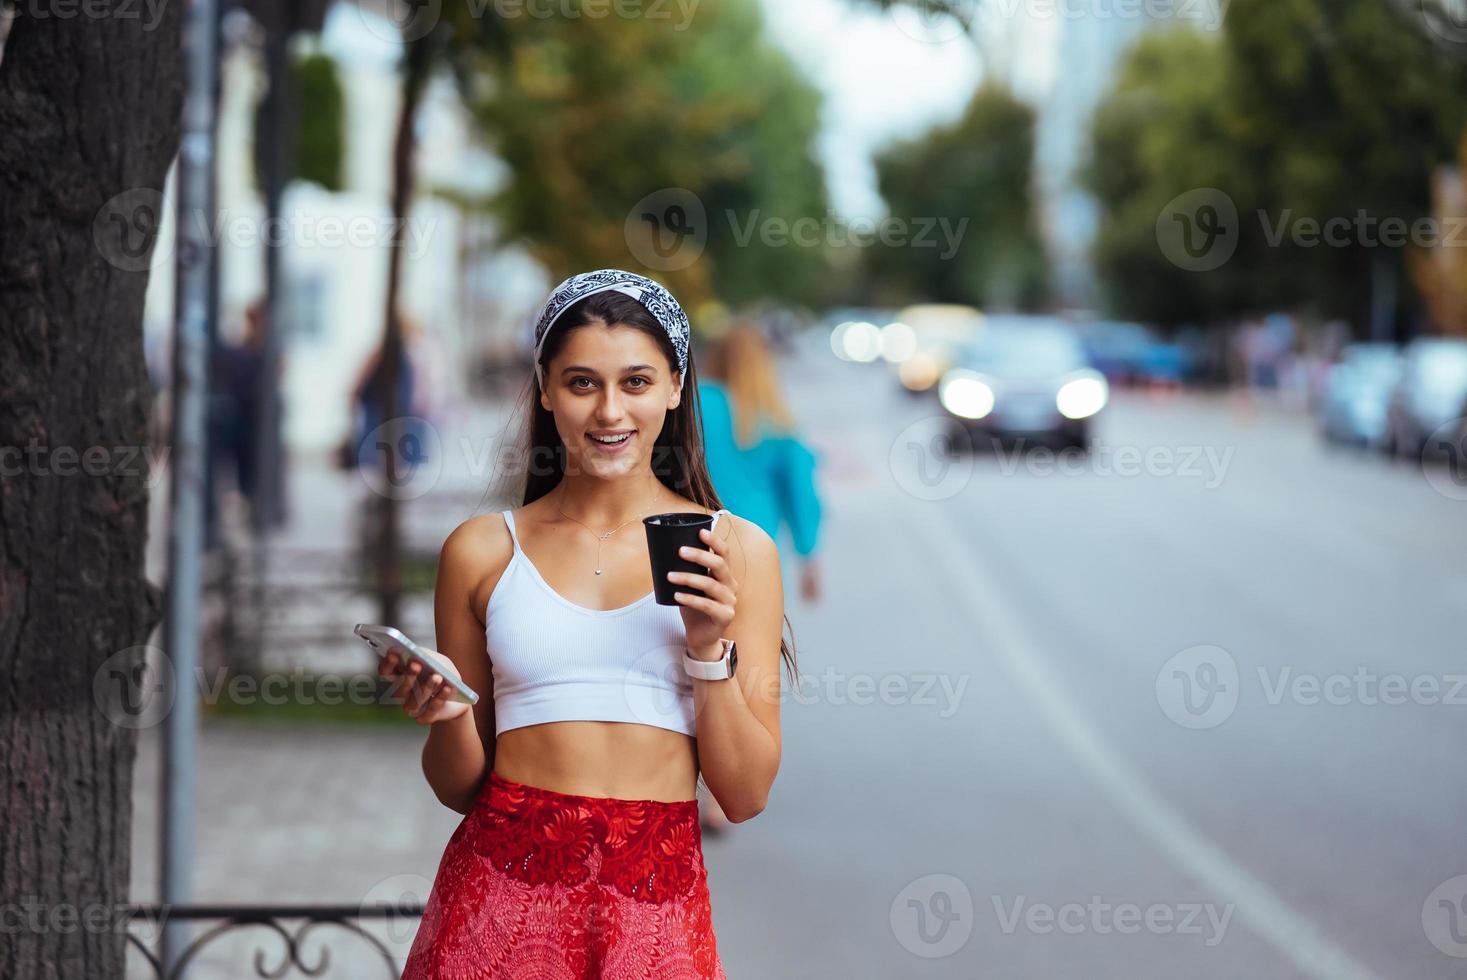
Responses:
[666,533]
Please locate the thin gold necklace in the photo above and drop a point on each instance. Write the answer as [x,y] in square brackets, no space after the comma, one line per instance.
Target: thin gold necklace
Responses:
[599,537]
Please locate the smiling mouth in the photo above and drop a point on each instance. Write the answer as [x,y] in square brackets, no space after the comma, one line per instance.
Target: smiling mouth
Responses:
[620,440]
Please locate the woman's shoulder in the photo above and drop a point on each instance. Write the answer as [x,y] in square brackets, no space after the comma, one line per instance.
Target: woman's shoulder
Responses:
[480,544]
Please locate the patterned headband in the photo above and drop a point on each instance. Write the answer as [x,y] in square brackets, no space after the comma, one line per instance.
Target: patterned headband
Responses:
[659,303]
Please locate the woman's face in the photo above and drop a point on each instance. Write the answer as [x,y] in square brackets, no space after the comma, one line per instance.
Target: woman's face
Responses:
[609,381]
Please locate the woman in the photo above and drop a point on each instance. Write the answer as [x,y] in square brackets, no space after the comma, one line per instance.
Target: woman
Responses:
[754,458]
[756,463]
[580,854]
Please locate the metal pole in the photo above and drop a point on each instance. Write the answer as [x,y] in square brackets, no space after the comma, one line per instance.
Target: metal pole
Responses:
[186,501]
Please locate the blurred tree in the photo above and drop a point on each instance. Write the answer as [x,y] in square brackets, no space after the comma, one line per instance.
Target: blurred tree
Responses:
[1162,131]
[1288,116]
[593,114]
[90,112]
[976,169]
[319,114]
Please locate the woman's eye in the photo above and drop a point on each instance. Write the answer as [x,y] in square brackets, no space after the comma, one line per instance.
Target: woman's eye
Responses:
[576,381]
[644,381]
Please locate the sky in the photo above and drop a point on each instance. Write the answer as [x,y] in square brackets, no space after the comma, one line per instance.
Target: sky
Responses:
[889,75]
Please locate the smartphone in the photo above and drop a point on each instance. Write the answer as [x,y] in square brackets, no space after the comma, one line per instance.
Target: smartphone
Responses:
[384,639]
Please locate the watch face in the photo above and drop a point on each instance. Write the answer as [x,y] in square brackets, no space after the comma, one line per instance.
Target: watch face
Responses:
[733,658]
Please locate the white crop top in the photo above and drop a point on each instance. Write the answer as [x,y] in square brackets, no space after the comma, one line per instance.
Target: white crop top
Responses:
[553,660]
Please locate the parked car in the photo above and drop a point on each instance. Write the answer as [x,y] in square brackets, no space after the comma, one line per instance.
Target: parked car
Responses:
[1429,394]
[1357,392]
[1024,376]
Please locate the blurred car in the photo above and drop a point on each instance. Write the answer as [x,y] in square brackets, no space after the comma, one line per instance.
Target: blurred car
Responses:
[1132,353]
[1357,391]
[921,341]
[1430,393]
[1024,376]
[1116,349]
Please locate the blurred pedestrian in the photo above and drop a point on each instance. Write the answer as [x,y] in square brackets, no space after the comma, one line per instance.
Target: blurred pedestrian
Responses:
[369,414]
[234,398]
[759,468]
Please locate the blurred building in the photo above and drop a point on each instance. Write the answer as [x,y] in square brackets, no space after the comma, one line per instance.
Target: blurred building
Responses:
[335,260]
[1090,40]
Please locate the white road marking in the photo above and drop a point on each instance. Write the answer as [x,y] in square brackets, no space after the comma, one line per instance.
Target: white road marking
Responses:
[1166,827]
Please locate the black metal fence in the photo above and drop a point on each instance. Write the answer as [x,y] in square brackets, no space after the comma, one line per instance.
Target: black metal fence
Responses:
[280,951]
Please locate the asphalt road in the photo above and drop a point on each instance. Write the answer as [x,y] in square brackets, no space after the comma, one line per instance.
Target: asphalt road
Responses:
[1193,707]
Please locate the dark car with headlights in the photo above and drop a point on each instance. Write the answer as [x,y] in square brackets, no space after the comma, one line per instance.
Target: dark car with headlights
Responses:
[1024,377]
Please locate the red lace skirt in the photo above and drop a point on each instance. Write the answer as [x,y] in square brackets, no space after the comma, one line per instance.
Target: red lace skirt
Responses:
[542,885]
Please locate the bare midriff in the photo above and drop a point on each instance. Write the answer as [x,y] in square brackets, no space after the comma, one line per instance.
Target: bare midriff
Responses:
[601,758]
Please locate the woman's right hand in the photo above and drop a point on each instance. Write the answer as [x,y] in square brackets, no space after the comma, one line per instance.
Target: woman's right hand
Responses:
[425,699]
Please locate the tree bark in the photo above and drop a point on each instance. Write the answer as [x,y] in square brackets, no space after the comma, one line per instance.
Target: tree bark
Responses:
[90,104]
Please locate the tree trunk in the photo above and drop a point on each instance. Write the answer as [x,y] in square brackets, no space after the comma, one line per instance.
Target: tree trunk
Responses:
[89,120]
[417,63]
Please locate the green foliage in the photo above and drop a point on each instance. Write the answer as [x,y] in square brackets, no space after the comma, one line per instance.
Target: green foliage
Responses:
[592,114]
[1302,109]
[320,123]
[975,170]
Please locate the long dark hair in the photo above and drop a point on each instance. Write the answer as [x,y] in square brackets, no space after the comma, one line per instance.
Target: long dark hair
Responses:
[678,458]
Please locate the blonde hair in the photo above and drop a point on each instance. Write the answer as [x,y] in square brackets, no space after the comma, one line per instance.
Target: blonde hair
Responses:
[742,361]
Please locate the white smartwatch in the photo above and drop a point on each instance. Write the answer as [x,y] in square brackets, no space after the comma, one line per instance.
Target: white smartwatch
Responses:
[713,670]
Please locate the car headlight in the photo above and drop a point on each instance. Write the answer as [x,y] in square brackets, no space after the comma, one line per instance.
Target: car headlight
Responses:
[1082,397]
[965,394]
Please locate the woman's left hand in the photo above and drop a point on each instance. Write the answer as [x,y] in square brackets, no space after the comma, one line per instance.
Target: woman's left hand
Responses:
[706,617]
